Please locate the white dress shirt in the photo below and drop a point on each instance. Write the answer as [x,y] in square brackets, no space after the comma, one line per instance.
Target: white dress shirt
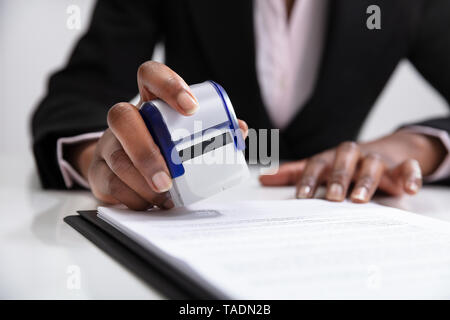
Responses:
[288,53]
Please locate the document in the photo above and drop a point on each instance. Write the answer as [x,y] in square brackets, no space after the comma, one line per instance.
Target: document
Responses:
[294,249]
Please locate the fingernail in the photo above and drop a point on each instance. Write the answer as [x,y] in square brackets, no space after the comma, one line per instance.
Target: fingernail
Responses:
[360,194]
[303,192]
[162,181]
[187,102]
[412,186]
[335,192]
[168,204]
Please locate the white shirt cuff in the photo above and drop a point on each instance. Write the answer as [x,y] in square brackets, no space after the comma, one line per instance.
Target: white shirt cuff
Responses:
[443,170]
[69,174]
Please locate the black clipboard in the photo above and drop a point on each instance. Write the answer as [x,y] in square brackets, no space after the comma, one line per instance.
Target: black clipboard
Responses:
[160,274]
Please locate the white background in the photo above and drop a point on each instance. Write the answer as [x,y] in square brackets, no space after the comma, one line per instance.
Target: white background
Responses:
[35,41]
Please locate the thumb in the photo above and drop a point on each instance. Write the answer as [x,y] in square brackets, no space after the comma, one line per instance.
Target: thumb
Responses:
[288,174]
[244,128]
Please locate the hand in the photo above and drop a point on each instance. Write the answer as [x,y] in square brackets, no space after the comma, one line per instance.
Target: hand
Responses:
[125,165]
[393,164]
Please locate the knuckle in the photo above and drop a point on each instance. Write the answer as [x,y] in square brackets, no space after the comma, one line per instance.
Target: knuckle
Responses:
[147,67]
[308,180]
[114,185]
[144,159]
[153,154]
[366,181]
[119,161]
[348,146]
[97,195]
[100,196]
[339,175]
[173,85]
[118,112]
[318,160]
[373,156]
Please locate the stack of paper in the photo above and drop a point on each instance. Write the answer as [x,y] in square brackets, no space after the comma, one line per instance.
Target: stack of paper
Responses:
[299,249]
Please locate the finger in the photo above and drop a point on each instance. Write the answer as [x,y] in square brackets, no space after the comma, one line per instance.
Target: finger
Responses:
[406,177]
[311,177]
[369,176]
[244,128]
[156,80]
[119,163]
[288,174]
[344,166]
[129,128]
[108,185]
[410,175]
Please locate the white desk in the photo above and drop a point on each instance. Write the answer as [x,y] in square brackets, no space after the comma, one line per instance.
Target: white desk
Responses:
[37,249]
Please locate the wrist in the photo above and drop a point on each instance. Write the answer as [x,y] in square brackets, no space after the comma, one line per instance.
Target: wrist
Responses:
[80,156]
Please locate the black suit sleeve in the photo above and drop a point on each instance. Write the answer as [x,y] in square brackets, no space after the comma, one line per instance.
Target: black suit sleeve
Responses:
[430,53]
[101,72]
